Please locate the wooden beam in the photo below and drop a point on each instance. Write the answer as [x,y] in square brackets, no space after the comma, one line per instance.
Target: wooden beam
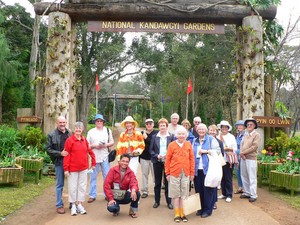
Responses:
[128,97]
[144,11]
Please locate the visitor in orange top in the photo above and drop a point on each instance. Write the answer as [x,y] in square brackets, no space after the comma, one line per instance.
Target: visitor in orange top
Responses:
[131,142]
[180,169]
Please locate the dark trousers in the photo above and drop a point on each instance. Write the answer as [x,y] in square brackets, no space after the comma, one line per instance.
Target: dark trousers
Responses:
[207,194]
[133,204]
[226,183]
[158,173]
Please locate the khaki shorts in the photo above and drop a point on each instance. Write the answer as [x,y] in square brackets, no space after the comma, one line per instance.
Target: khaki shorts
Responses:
[179,186]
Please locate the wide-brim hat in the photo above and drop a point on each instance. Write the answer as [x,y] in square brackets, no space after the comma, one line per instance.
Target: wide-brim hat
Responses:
[130,120]
[149,120]
[225,123]
[97,117]
[239,122]
[252,120]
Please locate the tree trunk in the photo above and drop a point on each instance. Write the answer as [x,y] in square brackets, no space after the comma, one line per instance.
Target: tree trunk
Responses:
[73,88]
[58,69]
[253,70]
[268,103]
[239,78]
[34,49]
[84,101]
[1,107]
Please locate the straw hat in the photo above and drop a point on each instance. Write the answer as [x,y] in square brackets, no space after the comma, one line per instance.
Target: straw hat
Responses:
[225,123]
[130,120]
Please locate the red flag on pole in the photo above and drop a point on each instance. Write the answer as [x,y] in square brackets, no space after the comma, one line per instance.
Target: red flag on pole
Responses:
[97,83]
[190,87]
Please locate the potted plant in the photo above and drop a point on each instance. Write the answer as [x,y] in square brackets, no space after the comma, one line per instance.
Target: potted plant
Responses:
[10,172]
[48,166]
[267,161]
[31,160]
[287,174]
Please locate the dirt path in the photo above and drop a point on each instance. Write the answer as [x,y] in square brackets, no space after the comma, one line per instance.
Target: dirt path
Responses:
[267,210]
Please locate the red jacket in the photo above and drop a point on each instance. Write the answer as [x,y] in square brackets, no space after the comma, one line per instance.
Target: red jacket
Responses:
[77,159]
[129,181]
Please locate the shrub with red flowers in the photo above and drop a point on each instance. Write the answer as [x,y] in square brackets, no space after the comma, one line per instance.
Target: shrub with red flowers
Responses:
[290,164]
[268,156]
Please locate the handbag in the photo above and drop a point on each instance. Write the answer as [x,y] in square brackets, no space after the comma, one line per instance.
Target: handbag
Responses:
[118,194]
[112,155]
[214,173]
[232,158]
[191,204]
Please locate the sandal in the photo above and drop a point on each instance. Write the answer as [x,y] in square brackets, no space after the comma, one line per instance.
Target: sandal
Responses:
[133,215]
[239,191]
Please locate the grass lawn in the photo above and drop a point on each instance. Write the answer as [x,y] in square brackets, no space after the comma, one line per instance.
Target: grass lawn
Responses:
[285,196]
[13,198]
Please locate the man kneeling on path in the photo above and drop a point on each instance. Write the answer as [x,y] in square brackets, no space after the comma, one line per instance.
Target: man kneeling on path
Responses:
[121,187]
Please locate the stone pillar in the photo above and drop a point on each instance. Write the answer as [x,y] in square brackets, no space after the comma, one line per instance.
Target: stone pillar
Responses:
[253,69]
[58,70]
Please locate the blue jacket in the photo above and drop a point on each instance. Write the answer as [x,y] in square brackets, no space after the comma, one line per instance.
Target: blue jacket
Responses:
[206,145]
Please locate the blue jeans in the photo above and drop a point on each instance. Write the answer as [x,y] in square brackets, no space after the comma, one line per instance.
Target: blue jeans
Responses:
[59,172]
[93,177]
[133,204]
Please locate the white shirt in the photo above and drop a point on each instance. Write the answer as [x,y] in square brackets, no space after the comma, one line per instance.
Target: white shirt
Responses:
[95,136]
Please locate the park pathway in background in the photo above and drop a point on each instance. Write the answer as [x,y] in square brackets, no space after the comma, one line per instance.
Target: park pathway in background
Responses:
[42,211]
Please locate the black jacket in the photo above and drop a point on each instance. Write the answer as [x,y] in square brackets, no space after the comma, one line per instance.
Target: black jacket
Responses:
[154,146]
[53,144]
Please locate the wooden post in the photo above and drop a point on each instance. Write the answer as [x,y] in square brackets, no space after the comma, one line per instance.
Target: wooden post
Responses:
[58,69]
[24,112]
[253,70]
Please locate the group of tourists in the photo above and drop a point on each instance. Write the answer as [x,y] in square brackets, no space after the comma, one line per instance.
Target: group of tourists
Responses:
[177,156]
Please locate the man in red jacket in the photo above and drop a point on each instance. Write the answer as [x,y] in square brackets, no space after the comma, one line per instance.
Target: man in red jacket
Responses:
[121,177]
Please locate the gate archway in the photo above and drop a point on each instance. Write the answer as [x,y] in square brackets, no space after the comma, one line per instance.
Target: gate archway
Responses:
[60,74]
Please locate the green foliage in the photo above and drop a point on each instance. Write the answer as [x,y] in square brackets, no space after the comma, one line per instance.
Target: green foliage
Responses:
[291,163]
[8,141]
[279,144]
[27,95]
[260,4]
[33,137]
[281,109]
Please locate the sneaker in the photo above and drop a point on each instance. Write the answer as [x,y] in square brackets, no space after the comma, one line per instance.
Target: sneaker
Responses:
[221,197]
[73,210]
[80,209]
[228,199]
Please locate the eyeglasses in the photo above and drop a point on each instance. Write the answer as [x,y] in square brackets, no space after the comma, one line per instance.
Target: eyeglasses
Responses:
[250,124]
[149,123]
[197,122]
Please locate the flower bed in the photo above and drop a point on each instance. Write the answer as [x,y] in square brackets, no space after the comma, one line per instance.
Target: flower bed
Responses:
[263,171]
[286,180]
[35,165]
[12,175]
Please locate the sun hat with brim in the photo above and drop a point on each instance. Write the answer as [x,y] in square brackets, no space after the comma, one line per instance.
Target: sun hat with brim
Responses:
[225,123]
[239,122]
[251,120]
[97,117]
[130,120]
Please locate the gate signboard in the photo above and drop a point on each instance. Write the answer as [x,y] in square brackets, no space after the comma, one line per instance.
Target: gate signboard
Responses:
[272,121]
[161,27]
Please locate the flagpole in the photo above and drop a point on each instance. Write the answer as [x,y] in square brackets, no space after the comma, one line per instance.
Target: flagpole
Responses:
[187,106]
[96,102]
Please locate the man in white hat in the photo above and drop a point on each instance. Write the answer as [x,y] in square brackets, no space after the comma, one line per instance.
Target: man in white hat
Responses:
[131,142]
[100,139]
[249,150]
[145,157]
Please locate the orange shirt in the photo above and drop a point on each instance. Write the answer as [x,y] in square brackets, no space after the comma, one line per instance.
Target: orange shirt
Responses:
[180,158]
[133,141]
